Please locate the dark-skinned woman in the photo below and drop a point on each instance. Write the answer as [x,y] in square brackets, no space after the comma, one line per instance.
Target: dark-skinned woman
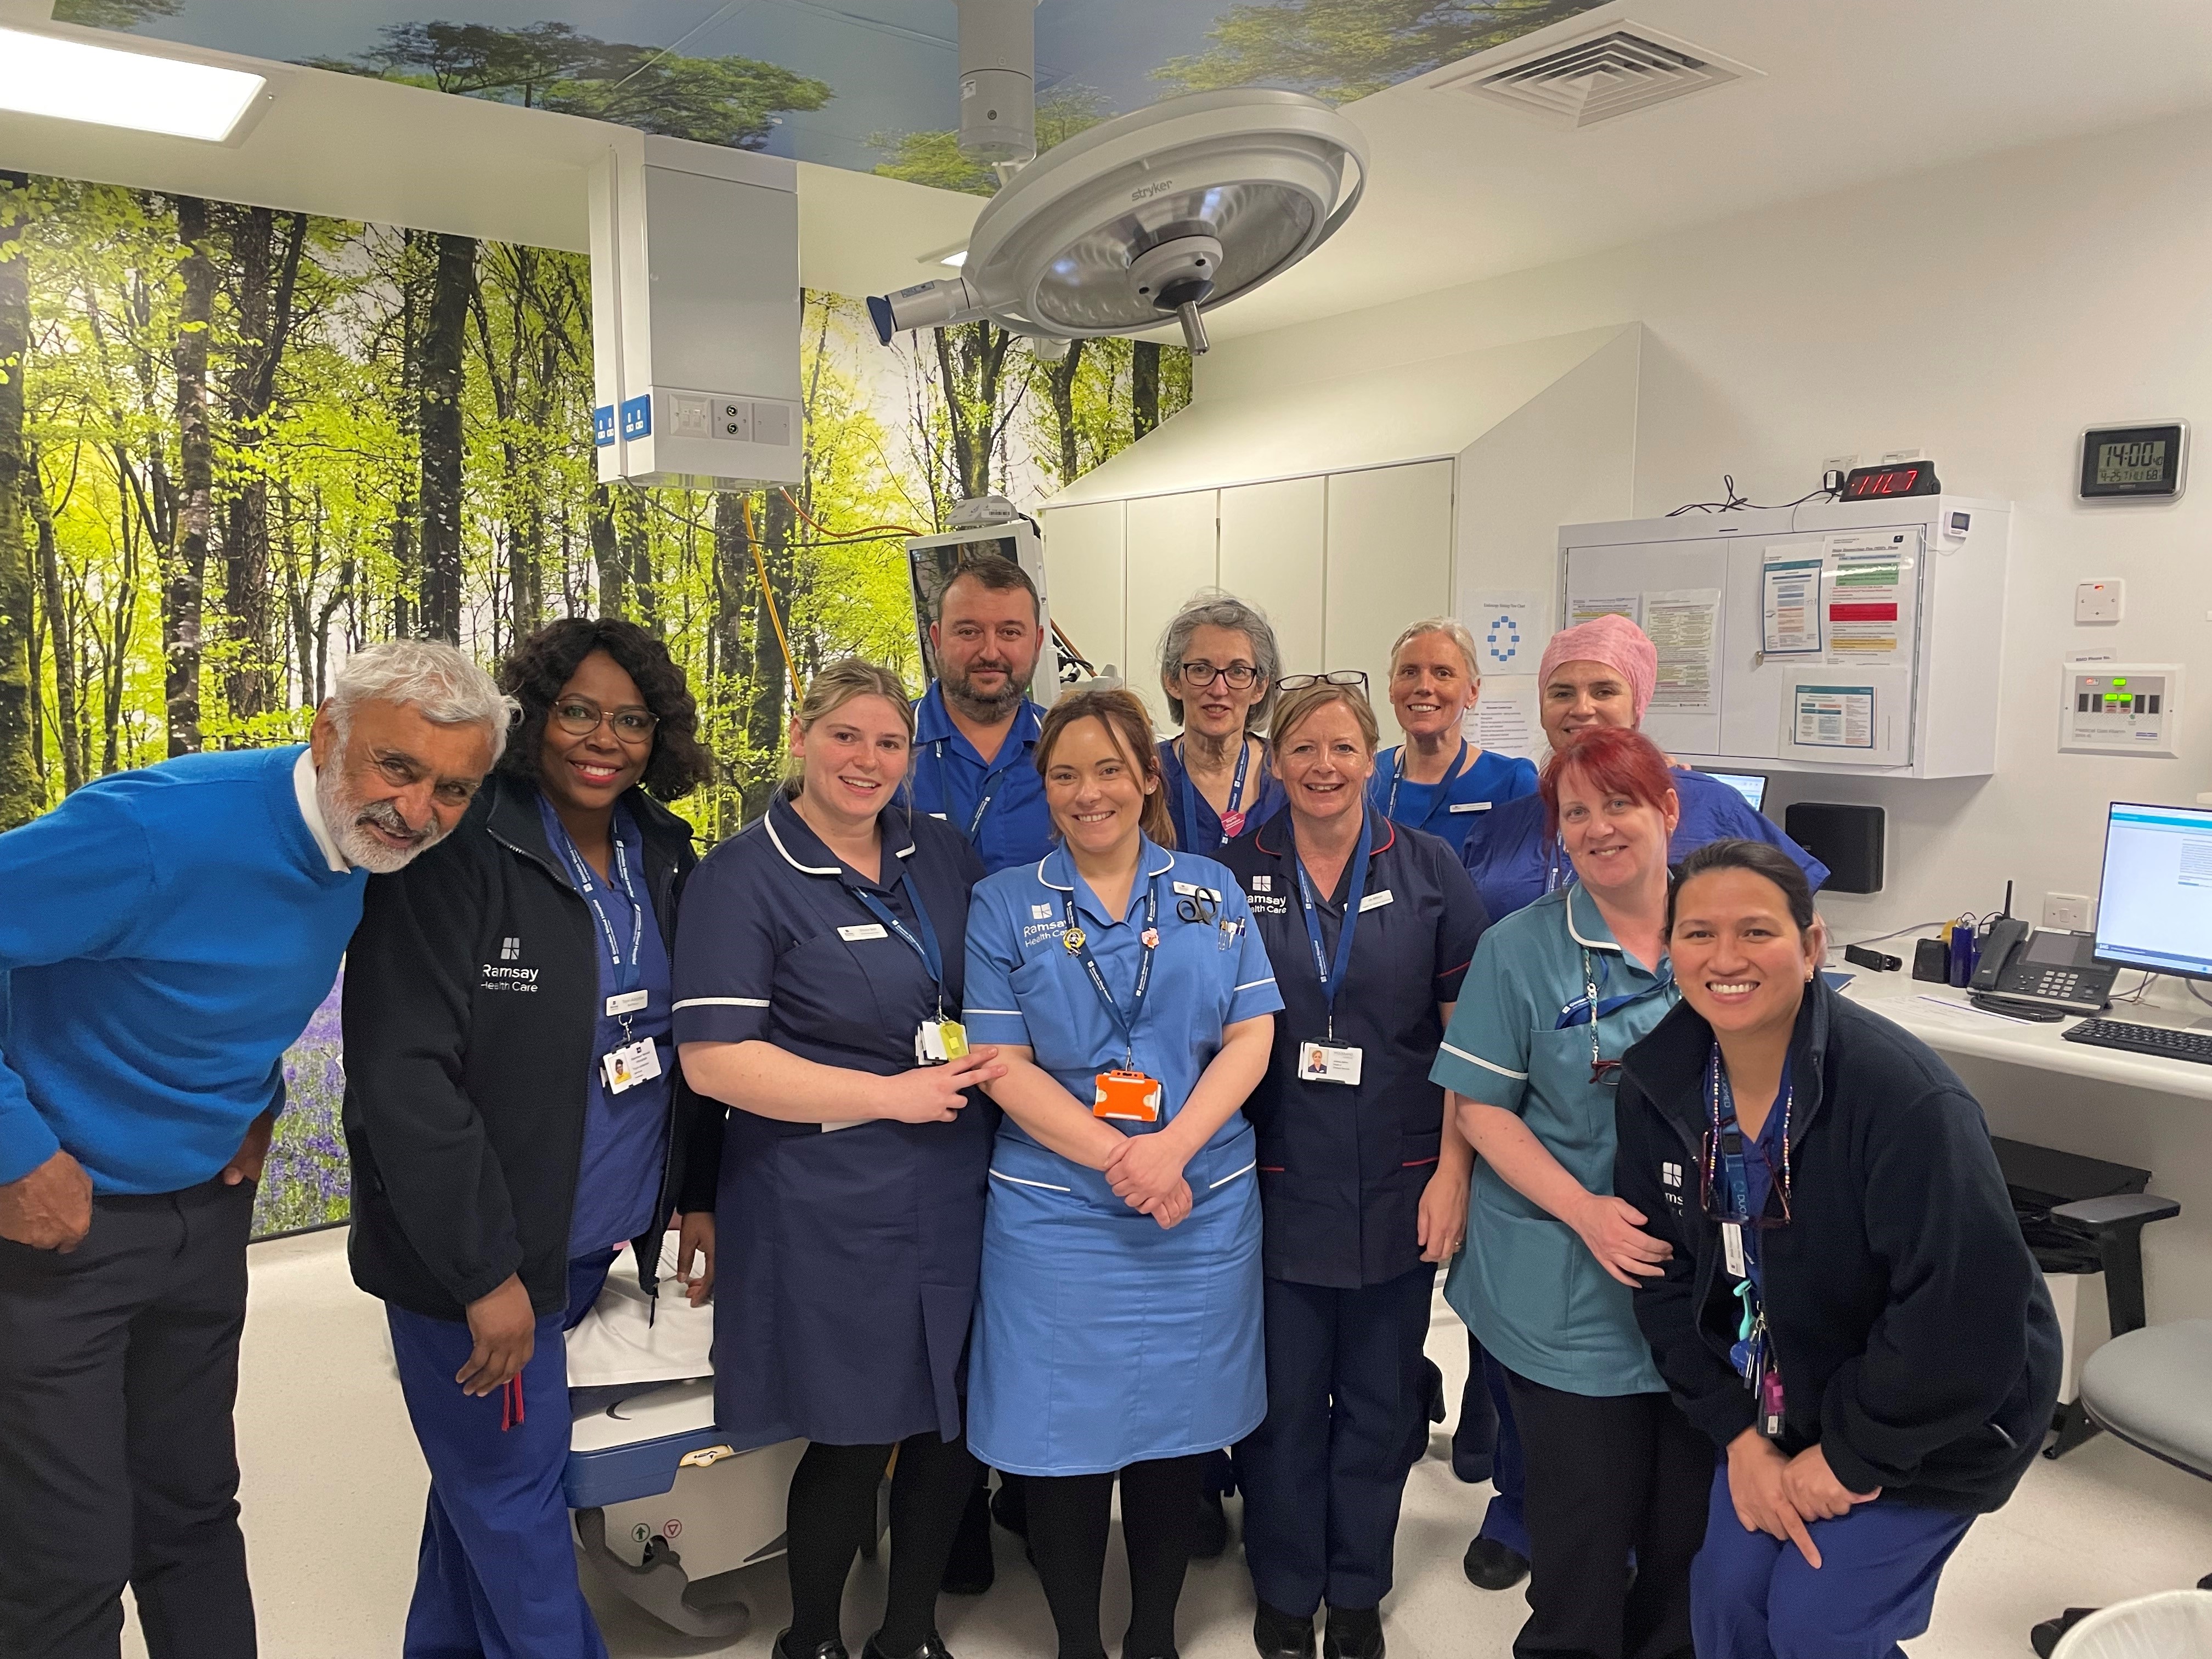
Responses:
[1370,926]
[1847,1307]
[514,1113]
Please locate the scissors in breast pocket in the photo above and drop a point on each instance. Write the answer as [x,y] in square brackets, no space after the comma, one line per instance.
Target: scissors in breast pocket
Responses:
[1200,906]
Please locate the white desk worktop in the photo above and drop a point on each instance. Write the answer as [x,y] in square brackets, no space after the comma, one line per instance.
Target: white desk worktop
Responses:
[1939,1017]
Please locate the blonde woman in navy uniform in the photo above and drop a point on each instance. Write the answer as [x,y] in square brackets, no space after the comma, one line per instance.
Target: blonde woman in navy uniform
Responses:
[819,960]
[1363,1178]
[1118,1326]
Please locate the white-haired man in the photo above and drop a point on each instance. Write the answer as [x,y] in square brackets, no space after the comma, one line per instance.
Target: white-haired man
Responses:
[167,935]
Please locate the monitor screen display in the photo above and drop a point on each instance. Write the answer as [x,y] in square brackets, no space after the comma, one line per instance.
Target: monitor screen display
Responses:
[2154,903]
[1752,786]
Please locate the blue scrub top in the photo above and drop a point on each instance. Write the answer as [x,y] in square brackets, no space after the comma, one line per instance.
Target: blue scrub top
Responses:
[1198,826]
[1451,809]
[1025,987]
[1513,866]
[625,1135]
[998,805]
[1342,1167]
[1526,1284]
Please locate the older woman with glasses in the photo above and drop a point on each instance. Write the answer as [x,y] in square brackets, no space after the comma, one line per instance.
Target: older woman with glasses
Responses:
[1219,665]
[1558,992]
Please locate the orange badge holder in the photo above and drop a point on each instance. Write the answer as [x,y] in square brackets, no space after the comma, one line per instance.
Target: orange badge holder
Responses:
[1130,1096]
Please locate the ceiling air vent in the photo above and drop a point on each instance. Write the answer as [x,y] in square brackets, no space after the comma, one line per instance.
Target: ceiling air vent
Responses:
[1579,83]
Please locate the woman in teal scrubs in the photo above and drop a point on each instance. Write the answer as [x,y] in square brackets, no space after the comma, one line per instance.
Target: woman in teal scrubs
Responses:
[1559,992]
[1437,780]
[1117,1331]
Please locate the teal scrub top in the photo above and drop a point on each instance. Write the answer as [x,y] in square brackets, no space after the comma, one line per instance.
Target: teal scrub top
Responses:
[1526,1284]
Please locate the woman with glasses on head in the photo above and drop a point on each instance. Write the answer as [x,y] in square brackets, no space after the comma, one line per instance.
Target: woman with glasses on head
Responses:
[1559,992]
[1363,1183]
[1843,1303]
[1217,667]
[514,1115]
[1438,780]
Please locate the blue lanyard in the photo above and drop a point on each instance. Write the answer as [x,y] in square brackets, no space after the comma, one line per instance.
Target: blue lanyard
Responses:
[925,947]
[1332,976]
[1081,946]
[1189,824]
[589,888]
[1442,796]
[994,778]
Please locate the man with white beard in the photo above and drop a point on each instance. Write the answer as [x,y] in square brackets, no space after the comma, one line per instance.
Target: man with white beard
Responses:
[168,933]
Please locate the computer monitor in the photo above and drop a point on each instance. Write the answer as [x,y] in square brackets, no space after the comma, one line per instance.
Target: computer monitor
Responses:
[2154,901]
[1752,786]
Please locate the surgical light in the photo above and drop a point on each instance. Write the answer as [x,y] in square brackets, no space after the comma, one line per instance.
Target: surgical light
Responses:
[77,81]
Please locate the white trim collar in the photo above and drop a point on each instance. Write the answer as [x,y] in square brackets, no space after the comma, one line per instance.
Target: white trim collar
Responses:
[311,809]
[767,823]
[1575,933]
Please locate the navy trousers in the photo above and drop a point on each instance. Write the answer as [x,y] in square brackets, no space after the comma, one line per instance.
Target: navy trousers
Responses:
[1752,1597]
[1506,1520]
[1324,1476]
[496,1576]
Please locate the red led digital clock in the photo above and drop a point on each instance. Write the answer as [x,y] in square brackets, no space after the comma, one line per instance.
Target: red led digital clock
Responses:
[1869,483]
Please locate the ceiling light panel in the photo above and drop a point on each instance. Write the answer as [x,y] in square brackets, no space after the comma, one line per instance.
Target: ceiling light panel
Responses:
[74,80]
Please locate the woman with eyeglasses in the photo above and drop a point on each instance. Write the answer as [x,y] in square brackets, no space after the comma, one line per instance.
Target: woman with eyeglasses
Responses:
[1218,664]
[514,1115]
[1559,992]
[1438,780]
[1840,1297]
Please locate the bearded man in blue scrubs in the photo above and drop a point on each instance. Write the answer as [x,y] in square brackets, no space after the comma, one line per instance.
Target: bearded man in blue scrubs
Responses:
[167,934]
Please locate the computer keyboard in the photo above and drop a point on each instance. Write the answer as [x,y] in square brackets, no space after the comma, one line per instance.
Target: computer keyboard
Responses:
[2144,1039]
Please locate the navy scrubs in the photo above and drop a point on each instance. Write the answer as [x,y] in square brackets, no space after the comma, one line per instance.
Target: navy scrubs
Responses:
[1342,1172]
[1198,828]
[1450,808]
[998,805]
[848,1253]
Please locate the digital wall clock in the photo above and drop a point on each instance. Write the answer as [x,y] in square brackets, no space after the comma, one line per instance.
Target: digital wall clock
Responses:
[2134,462]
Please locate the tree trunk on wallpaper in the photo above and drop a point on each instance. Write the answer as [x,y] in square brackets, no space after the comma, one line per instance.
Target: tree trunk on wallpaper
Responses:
[606,551]
[406,566]
[22,792]
[184,583]
[443,337]
[268,279]
[1144,386]
[772,689]
[730,658]
[60,626]
[1059,382]
[971,361]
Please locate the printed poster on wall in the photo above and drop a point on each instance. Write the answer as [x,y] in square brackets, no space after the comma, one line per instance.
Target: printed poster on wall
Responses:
[1629,605]
[1789,600]
[1505,717]
[1507,625]
[1866,596]
[1832,717]
[1684,627]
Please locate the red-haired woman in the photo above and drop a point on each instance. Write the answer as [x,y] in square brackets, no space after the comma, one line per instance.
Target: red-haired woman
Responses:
[1558,992]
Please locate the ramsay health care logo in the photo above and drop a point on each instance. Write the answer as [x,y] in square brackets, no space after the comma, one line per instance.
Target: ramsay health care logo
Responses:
[497,976]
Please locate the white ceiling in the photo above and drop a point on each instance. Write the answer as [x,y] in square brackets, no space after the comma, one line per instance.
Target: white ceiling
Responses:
[1852,91]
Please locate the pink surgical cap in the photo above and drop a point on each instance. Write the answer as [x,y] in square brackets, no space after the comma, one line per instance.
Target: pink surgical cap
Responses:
[1618,643]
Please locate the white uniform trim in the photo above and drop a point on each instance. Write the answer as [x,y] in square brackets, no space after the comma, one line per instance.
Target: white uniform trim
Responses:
[970,1014]
[1575,933]
[719,1002]
[1018,1181]
[768,824]
[1255,984]
[1226,1179]
[1487,1065]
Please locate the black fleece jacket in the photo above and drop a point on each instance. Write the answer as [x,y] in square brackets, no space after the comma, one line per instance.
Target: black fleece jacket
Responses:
[471,989]
[1916,1339]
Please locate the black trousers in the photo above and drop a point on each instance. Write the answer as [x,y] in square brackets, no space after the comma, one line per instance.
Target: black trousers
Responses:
[118,1370]
[1609,1474]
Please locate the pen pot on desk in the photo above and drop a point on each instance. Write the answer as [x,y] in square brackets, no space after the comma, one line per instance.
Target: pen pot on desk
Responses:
[1964,954]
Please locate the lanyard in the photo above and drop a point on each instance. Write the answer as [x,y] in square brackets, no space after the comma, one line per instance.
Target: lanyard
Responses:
[1081,946]
[1332,977]
[1442,797]
[1189,825]
[925,947]
[993,779]
[1728,1139]
[589,888]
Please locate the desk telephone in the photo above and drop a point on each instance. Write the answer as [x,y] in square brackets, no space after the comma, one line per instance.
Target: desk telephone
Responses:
[2040,973]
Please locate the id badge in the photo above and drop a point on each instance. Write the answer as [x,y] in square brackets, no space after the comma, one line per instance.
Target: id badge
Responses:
[1732,1248]
[1770,1402]
[631,1065]
[1130,1096]
[937,1041]
[1329,1062]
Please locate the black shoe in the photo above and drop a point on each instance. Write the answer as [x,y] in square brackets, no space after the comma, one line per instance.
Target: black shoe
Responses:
[1211,1536]
[1353,1633]
[969,1569]
[2044,1639]
[1279,1635]
[1490,1565]
[1009,1505]
[832,1648]
[933,1648]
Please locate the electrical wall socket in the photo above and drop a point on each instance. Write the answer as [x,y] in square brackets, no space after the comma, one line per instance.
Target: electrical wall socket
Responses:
[2069,910]
[2100,602]
[1839,462]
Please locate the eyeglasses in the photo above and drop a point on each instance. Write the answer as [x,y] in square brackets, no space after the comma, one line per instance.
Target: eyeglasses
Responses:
[1239,676]
[1709,1160]
[580,717]
[1334,676]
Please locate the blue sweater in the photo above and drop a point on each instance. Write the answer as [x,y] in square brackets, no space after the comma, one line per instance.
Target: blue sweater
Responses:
[166,934]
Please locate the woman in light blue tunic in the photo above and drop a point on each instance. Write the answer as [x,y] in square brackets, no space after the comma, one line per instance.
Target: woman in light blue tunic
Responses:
[1117,1329]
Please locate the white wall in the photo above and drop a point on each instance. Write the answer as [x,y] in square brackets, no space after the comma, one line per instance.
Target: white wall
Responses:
[1986,311]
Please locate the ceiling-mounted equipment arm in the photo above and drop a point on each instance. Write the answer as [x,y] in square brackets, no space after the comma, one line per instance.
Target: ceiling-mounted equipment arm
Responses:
[998,81]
